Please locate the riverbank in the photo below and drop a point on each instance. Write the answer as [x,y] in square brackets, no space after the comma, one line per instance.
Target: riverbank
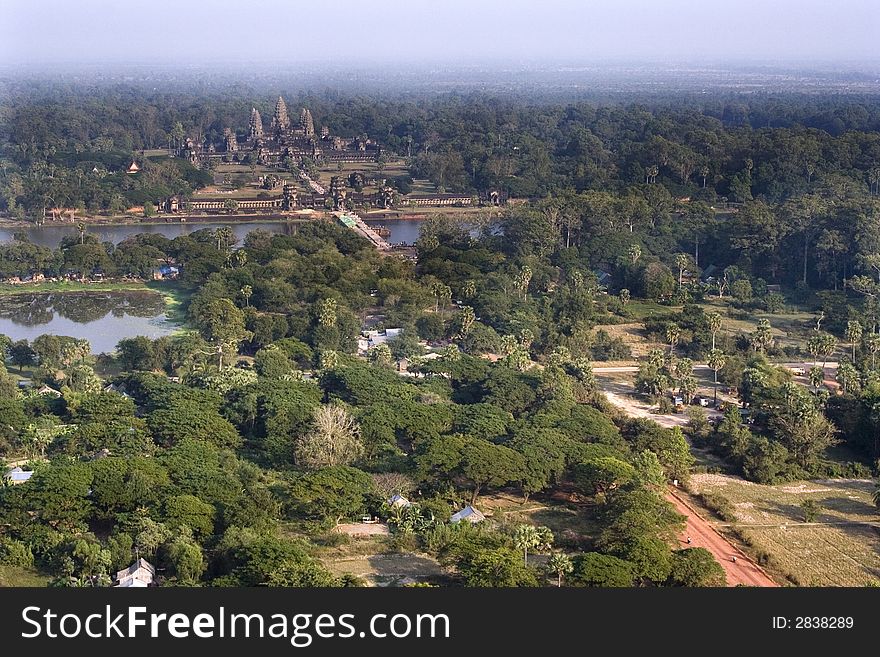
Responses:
[172,220]
[7,289]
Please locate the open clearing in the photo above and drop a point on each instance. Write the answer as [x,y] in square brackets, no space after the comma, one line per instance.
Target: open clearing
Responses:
[390,569]
[841,548]
[17,576]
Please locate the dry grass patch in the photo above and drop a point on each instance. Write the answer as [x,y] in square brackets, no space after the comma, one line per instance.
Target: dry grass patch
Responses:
[841,548]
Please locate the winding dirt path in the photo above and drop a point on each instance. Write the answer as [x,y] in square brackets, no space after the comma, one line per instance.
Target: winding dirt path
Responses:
[702,534]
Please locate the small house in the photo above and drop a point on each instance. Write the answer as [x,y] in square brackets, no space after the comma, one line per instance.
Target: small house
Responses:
[398,501]
[17,476]
[468,514]
[141,570]
[46,390]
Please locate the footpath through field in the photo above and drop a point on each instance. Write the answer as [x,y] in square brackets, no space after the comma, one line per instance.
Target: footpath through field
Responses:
[702,534]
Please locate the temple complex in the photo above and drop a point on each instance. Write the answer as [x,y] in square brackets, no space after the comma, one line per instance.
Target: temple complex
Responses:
[283,143]
[285,146]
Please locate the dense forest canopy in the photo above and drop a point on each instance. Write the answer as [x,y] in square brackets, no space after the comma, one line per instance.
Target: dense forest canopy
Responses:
[227,453]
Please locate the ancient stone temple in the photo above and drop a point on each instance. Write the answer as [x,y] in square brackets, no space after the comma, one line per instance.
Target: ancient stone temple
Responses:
[256,125]
[231,141]
[306,123]
[281,120]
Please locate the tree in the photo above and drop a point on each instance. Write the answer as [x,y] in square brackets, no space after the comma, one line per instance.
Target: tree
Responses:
[716,362]
[601,475]
[713,319]
[810,510]
[854,335]
[498,567]
[222,324]
[186,558]
[333,440]
[682,261]
[247,292]
[601,570]
[848,377]
[224,235]
[802,427]
[522,279]
[21,354]
[762,336]
[529,537]
[559,564]
[634,252]
[673,333]
[696,567]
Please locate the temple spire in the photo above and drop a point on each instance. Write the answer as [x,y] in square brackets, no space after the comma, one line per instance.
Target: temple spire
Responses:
[281,120]
[256,125]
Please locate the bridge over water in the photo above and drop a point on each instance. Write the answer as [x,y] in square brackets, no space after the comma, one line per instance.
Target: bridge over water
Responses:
[358,225]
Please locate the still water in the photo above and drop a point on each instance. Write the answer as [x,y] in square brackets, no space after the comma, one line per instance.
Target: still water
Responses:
[51,235]
[102,318]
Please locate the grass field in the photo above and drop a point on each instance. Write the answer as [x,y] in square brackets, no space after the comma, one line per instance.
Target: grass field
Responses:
[17,576]
[842,546]
[791,327]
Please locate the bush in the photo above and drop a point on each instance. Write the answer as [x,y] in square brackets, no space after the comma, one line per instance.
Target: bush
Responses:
[718,505]
[15,553]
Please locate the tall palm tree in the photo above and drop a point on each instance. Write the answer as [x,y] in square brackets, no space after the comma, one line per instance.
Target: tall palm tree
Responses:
[247,291]
[714,321]
[715,362]
[224,237]
[559,564]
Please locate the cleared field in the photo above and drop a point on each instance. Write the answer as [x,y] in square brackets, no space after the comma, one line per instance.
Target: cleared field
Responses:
[791,327]
[17,576]
[842,546]
[386,569]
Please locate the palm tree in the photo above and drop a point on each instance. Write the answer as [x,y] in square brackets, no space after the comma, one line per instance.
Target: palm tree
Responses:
[673,332]
[854,335]
[529,537]
[239,258]
[635,252]
[224,237]
[682,260]
[704,173]
[81,227]
[715,362]
[522,280]
[714,321]
[247,291]
[762,337]
[872,342]
[559,564]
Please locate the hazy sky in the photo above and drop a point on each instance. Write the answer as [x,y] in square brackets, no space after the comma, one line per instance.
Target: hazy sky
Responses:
[455,31]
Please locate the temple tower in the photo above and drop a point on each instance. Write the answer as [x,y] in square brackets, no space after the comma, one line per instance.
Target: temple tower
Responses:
[306,123]
[256,125]
[281,120]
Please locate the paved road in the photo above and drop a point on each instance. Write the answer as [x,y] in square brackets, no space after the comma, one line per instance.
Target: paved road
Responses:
[702,534]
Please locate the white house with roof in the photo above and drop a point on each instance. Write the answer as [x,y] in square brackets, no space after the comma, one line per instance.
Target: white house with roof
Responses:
[468,514]
[398,502]
[139,574]
[17,476]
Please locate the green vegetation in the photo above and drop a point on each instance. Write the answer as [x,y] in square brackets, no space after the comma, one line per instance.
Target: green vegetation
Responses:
[242,450]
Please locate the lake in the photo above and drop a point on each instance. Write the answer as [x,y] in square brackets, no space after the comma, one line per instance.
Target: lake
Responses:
[102,318]
[51,235]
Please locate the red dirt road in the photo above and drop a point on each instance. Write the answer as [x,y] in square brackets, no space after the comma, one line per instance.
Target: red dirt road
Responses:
[703,535]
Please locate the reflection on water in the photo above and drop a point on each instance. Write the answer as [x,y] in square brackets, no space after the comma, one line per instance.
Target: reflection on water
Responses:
[50,235]
[102,318]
